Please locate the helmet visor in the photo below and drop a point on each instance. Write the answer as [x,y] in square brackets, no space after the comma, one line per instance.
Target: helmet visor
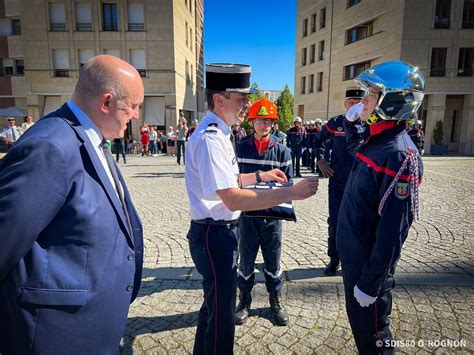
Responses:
[399,105]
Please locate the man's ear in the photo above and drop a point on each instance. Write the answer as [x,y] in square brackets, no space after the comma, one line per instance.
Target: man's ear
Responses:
[218,100]
[105,102]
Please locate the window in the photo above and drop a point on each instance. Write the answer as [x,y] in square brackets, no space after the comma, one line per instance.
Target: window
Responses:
[321,50]
[57,16]
[311,83]
[303,56]
[442,14]
[83,16]
[8,67]
[61,62]
[303,85]
[312,53]
[351,71]
[466,58]
[359,32]
[352,2]
[16,27]
[191,39]
[322,18]
[186,30]
[136,17]
[438,62]
[138,60]
[320,81]
[313,23]
[468,14]
[84,56]
[109,17]
[305,27]
[19,67]
[114,52]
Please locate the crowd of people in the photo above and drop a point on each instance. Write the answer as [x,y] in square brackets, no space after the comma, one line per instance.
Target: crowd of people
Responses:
[239,184]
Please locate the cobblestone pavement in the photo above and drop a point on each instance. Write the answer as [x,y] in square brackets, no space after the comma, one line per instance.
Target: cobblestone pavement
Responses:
[433,302]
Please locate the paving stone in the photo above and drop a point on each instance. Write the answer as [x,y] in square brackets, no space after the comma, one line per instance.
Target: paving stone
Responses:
[433,300]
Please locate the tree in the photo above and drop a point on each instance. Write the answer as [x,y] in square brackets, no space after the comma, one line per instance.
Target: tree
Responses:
[285,104]
[438,133]
[252,98]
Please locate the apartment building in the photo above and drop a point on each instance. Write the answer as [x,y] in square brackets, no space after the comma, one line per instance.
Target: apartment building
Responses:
[338,39]
[44,43]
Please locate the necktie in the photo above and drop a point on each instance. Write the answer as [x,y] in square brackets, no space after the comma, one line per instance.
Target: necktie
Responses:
[113,169]
[232,140]
[14,135]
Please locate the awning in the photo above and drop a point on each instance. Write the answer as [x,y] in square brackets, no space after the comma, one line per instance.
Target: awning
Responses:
[13,112]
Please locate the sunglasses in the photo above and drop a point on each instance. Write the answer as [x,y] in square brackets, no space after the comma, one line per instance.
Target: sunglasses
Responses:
[11,120]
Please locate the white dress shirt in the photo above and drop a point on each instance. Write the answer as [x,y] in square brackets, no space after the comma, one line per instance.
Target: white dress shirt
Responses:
[211,165]
[95,138]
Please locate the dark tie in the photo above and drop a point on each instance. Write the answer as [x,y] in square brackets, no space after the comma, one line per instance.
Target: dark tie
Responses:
[14,135]
[113,169]
[232,140]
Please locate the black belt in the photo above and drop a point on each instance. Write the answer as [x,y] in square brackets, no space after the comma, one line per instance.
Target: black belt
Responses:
[216,223]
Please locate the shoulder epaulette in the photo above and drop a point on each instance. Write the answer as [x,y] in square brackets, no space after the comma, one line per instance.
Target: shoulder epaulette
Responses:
[212,128]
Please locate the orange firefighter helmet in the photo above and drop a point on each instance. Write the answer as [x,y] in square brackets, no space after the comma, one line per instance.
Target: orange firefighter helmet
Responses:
[263,108]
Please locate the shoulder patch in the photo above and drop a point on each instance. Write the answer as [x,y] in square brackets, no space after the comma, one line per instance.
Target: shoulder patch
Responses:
[402,190]
[212,128]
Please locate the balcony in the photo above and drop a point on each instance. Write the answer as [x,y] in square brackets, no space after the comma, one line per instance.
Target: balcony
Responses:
[61,73]
[80,26]
[133,27]
[57,27]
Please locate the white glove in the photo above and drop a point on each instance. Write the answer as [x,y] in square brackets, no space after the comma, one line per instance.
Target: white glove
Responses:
[363,299]
[354,112]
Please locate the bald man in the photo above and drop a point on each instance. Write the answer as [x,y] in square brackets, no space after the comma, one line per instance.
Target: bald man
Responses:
[71,241]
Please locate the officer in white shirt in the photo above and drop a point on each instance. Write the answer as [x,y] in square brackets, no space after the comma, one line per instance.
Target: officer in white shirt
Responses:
[11,133]
[216,201]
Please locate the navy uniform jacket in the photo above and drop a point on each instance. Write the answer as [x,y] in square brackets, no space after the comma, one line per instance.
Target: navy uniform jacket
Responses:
[313,139]
[295,137]
[69,267]
[365,239]
[333,137]
[275,156]
[418,137]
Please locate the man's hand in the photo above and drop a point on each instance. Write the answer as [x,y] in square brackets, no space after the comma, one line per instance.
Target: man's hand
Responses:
[305,188]
[274,175]
[353,113]
[325,168]
[363,299]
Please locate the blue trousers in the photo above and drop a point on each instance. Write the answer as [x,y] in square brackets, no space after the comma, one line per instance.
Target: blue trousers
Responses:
[266,234]
[214,252]
[370,325]
[336,192]
[296,158]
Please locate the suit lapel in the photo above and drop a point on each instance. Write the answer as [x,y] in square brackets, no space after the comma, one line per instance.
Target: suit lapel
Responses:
[104,180]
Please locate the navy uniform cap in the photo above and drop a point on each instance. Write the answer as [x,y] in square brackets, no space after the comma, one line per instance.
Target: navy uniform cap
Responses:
[355,93]
[228,77]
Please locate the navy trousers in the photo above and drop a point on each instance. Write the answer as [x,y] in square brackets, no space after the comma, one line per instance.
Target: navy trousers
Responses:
[336,192]
[266,234]
[214,252]
[296,158]
[370,325]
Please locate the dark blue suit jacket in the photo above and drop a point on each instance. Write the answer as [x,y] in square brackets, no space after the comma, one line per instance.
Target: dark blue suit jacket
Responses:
[69,267]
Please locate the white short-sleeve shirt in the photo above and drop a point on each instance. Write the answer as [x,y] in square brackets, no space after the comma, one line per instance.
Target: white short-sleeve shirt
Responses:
[211,165]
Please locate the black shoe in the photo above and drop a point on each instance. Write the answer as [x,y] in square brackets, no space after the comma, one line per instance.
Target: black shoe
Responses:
[298,175]
[279,312]
[243,309]
[332,267]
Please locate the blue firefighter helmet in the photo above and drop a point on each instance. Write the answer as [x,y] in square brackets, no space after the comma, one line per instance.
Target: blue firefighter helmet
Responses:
[401,89]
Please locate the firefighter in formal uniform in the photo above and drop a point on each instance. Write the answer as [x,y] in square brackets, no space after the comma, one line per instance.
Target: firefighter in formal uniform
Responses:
[216,200]
[257,152]
[295,137]
[380,200]
[335,162]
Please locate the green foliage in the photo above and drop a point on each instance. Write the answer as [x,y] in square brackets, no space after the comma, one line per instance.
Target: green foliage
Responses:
[252,97]
[285,109]
[438,133]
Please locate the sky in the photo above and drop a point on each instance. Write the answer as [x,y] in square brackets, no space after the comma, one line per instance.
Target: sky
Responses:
[261,33]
